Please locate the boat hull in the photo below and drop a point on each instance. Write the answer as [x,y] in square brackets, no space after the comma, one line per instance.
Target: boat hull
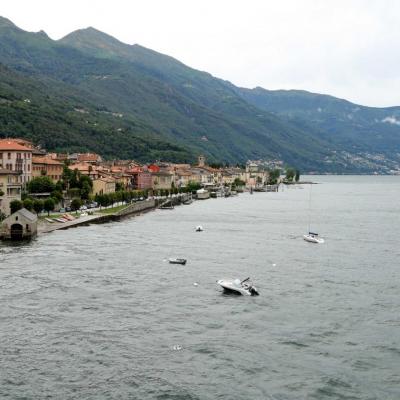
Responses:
[232,288]
[313,239]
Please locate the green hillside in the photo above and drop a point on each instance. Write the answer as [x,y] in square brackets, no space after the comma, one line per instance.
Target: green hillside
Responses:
[90,92]
[347,126]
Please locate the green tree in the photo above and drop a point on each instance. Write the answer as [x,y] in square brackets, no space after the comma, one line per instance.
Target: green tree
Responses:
[76,204]
[193,186]
[49,205]
[38,206]
[238,182]
[290,174]
[1,193]
[273,176]
[85,190]
[15,205]
[41,184]
[28,204]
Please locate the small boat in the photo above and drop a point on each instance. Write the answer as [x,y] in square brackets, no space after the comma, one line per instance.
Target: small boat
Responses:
[181,261]
[236,286]
[313,238]
[199,228]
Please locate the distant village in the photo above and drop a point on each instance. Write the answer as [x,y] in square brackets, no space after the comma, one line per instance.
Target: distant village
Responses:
[25,170]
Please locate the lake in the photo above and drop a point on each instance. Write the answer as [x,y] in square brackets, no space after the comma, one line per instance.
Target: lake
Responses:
[98,313]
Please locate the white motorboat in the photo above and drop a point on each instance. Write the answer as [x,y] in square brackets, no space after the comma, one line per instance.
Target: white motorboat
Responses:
[181,261]
[313,238]
[236,286]
[199,228]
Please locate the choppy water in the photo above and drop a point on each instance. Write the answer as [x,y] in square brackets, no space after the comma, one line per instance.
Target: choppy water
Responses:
[97,312]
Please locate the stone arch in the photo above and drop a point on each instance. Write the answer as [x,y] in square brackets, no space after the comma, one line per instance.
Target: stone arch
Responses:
[16,232]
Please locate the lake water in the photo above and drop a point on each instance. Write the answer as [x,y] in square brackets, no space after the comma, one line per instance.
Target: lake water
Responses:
[97,313]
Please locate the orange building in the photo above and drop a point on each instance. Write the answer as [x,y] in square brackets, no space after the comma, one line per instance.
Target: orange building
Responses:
[48,167]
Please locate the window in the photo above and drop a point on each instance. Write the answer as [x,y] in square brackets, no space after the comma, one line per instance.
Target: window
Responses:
[9,156]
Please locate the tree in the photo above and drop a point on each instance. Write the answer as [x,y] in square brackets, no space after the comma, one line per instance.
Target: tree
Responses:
[49,205]
[290,173]
[297,176]
[193,186]
[41,184]
[15,205]
[85,190]
[238,182]
[28,204]
[76,204]
[38,206]
[273,176]
[1,193]
[119,186]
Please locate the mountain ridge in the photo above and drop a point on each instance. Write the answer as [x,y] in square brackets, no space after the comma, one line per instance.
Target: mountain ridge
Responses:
[192,110]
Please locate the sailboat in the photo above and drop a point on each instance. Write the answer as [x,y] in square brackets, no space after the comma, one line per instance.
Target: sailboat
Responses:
[312,237]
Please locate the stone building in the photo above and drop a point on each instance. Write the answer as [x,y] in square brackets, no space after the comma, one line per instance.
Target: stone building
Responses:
[21,225]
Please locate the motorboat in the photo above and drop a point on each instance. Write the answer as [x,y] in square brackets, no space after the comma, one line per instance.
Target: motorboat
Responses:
[199,228]
[181,261]
[236,286]
[313,238]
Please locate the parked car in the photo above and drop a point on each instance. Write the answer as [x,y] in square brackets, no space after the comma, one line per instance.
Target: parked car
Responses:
[82,208]
[67,209]
[62,210]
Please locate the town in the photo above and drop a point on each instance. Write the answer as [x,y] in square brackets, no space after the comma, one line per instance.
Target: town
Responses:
[39,181]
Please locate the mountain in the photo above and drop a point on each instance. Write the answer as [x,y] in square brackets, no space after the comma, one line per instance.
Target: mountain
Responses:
[369,134]
[89,91]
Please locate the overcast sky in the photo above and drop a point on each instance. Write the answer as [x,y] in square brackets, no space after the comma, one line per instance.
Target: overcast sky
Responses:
[347,48]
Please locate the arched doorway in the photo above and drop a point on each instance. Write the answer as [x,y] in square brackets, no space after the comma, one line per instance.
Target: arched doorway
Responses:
[16,232]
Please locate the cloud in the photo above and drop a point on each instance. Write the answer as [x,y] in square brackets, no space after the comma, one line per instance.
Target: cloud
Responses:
[391,120]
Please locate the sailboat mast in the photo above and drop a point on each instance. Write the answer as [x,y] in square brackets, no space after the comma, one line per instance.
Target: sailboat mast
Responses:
[309,209]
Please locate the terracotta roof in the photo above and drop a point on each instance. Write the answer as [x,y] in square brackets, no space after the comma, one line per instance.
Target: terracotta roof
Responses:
[88,157]
[10,144]
[45,160]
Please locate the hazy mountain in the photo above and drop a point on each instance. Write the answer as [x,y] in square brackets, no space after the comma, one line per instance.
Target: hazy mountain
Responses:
[348,126]
[88,91]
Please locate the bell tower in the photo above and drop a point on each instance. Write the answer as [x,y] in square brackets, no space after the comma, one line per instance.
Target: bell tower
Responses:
[201,161]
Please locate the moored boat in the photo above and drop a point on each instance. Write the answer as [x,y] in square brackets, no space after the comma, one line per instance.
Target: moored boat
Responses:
[236,286]
[181,261]
[313,238]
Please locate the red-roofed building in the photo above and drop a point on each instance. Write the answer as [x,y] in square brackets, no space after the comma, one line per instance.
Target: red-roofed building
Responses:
[90,158]
[47,166]
[16,157]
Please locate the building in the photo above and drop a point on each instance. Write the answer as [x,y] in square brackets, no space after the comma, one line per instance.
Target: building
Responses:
[48,167]
[90,158]
[16,157]
[19,226]
[103,185]
[10,189]
[162,180]
[140,178]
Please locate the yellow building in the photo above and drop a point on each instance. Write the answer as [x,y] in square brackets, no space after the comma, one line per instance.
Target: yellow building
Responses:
[103,185]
